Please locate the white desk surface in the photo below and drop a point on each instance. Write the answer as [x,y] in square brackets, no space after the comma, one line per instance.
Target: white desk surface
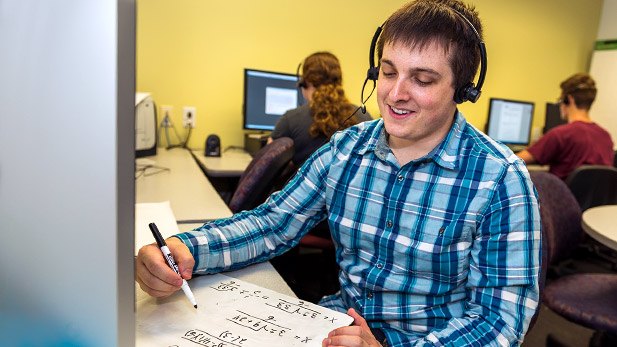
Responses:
[192,197]
[231,163]
[599,223]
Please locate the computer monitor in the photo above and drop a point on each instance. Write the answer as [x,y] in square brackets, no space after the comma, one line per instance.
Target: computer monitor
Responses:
[267,96]
[509,121]
[553,117]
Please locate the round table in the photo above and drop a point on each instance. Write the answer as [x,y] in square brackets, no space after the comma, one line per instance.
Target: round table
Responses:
[601,223]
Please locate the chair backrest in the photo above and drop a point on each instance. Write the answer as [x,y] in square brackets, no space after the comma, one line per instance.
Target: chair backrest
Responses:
[560,215]
[593,185]
[255,184]
[542,280]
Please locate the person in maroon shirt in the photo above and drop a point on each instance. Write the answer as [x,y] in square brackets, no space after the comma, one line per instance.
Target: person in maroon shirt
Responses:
[580,141]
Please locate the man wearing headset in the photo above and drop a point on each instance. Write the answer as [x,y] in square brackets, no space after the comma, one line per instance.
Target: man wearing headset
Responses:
[436,226]
[580,141]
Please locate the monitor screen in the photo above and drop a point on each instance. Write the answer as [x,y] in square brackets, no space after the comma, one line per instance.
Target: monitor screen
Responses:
[267,96]
[509,121]
[553,117]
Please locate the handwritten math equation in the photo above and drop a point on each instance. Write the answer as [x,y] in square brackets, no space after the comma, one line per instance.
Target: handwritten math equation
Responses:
[299,307]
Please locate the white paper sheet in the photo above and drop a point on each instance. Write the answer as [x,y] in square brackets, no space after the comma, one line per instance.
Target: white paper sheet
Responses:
[159,213]
[233,313]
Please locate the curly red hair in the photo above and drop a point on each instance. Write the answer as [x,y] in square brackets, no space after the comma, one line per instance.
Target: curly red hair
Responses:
[329,105]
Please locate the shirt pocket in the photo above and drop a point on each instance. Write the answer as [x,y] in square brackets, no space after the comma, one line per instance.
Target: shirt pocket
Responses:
[436,254]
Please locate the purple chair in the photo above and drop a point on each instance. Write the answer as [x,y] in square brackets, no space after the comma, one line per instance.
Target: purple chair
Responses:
[552,194]
[586,299]
[262,174]
[560,215]
[589,300]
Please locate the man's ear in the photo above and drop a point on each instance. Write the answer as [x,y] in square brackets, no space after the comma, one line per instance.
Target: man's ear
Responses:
[571,100]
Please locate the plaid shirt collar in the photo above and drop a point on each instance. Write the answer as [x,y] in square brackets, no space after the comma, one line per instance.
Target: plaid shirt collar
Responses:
[444,155]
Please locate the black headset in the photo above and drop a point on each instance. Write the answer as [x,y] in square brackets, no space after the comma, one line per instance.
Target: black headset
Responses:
[301,83]
[468,92]
[582,86]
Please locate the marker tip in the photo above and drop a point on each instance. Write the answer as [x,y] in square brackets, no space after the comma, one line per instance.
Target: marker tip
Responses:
[195,306]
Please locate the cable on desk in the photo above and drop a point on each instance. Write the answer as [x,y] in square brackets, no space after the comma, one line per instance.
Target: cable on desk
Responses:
[141,170]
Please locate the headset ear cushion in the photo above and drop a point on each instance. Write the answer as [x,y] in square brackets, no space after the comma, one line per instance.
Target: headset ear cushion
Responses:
[468,92]
[373,73]
[460,95]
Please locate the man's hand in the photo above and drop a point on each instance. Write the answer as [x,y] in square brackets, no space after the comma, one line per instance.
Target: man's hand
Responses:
[153,274]
[357,335]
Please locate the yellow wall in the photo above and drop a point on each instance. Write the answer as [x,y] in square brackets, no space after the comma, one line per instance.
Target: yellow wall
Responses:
[193,52]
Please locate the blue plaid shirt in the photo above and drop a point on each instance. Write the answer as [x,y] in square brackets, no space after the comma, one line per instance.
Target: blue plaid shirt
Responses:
[443,251]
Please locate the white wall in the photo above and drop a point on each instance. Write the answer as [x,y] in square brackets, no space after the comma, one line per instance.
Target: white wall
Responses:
[66,172]
[604,70]
[607,29]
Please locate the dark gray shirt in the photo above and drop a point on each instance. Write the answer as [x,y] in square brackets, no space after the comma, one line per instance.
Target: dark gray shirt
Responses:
[296,124]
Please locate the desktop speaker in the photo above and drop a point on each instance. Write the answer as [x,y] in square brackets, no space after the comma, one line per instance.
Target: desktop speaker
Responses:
[213,146]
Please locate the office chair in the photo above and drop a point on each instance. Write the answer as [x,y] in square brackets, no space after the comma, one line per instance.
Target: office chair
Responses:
[542,276]
[560,215]
[615,159]
[589,300]
[593,185]
[257,181]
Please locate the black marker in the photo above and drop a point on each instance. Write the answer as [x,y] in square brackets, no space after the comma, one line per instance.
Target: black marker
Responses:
[172,263]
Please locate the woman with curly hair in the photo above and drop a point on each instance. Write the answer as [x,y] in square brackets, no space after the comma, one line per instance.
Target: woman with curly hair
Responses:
[326,111]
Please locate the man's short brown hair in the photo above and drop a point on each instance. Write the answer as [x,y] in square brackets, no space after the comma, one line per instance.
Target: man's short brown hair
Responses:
[582,88]
[423,22]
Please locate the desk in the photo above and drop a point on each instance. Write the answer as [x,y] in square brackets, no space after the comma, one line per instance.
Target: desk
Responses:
[536,167]
[174,176]
[599,223]
[231,163]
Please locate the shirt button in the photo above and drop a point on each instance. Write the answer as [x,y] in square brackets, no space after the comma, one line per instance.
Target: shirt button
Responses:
[389,224]
[379,265]
[400,178]
[369,296]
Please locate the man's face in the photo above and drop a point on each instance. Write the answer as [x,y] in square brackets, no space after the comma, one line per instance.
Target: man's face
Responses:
[415,94]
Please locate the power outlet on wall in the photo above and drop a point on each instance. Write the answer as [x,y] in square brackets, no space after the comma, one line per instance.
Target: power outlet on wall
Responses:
[189,114]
